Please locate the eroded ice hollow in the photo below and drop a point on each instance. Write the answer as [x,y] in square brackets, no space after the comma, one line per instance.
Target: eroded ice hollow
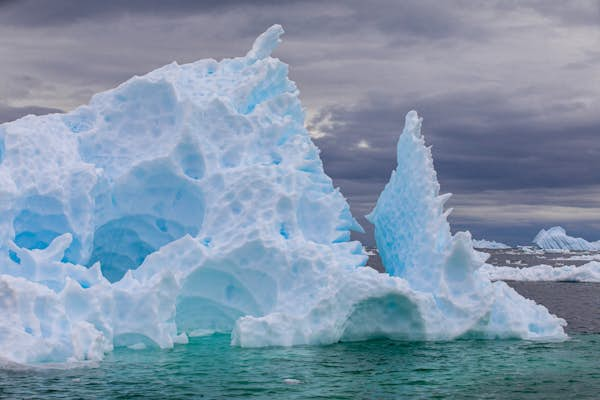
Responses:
[191,200]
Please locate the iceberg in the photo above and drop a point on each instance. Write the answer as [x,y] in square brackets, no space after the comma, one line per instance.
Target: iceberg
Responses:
[556,238]
[191,200]
[173,204]
[489,244]
[589,272]
[415,243]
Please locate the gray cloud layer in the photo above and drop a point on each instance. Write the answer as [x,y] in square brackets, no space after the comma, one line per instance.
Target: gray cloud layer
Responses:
[509,89]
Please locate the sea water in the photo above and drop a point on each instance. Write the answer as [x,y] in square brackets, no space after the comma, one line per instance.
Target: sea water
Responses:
[208,367]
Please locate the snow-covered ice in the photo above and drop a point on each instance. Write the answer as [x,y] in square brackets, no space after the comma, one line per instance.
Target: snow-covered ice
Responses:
[581,257]
[556,238]
[589,272]
[489,244]
[192,200]
[534,250]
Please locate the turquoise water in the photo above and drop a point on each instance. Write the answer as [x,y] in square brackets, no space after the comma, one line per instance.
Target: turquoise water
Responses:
[209,368]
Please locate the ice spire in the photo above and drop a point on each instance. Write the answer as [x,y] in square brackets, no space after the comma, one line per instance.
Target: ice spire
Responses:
[411,229]
[414,240]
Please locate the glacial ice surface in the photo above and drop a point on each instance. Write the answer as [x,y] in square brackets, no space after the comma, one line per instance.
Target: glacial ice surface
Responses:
[415,243]
[556,238]
[589,272]
[489,244]
[191,200]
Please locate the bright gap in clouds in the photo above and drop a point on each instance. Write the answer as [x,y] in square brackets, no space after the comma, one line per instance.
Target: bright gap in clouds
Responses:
[363,144]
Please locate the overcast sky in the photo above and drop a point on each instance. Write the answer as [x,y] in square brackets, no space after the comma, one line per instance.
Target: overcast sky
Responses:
[509,90]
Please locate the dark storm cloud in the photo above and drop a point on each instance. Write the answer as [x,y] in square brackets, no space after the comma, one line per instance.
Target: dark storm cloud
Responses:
[8,113]
[480,146]
[479,143]
[46,12]
[508,89]
[426,18]
[567,12]
[405,20]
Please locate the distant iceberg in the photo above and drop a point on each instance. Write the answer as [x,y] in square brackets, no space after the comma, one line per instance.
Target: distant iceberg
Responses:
[192,200]
[556,238]
[489,244]
[589,272]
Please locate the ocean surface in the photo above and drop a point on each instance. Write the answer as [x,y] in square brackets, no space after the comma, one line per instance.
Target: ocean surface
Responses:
[209,368]
[577,302]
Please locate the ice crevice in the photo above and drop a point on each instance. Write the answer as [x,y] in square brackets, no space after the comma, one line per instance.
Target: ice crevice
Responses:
[192,200]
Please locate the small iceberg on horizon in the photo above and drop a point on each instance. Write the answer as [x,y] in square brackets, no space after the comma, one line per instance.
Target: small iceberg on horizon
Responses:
[556,238]
[489,244]
[191,200]
[589,272]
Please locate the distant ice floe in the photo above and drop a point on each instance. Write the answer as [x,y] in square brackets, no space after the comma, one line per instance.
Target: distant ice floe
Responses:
[556,238]
[533,250]
[489,244]
[581,257]
[589,272]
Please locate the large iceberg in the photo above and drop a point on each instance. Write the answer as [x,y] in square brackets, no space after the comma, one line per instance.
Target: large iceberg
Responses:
[192,200]
[556,238]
